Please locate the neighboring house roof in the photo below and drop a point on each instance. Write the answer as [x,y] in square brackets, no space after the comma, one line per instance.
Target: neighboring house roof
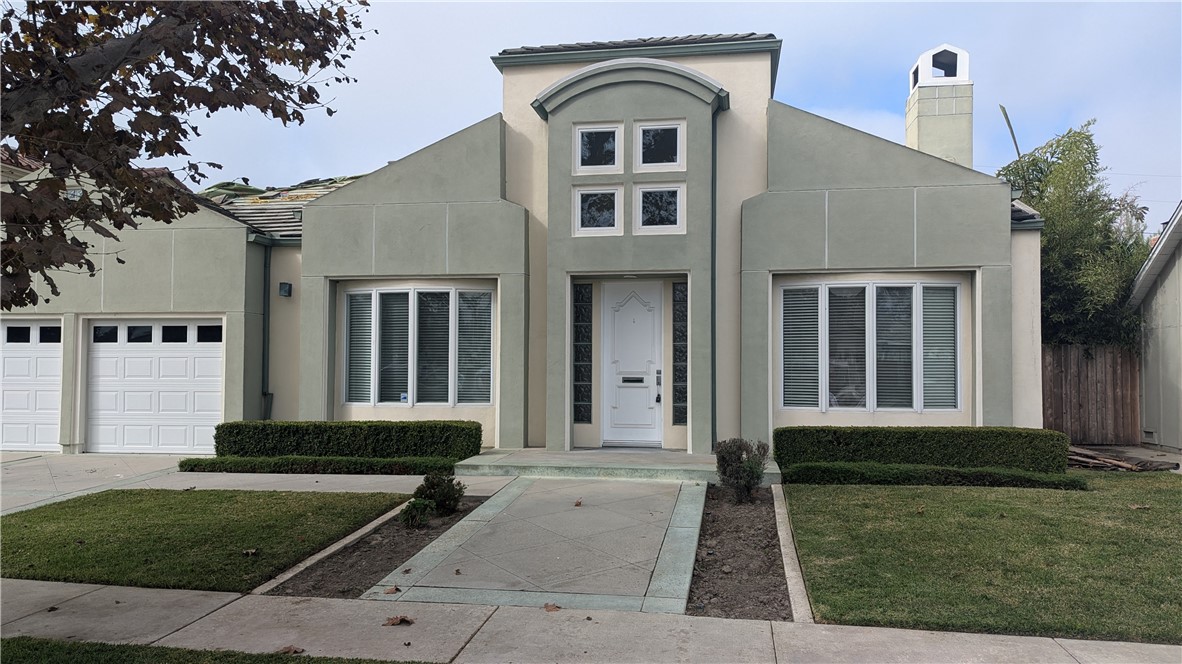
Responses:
[1167,243]
[275,211]
[1022,216]
[10,157]
[683,40]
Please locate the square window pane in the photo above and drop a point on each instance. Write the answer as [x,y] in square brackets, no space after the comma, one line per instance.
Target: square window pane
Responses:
[583,413]
[106,334]
[139,334]
[50,334]
[582,373]
[597,209]
[209,334]
[658,207]
[18,334]
[658,145]
[597,147]
[174,334]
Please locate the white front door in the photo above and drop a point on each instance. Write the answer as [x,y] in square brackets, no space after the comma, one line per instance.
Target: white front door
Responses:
[632,413]
[155,386]
[32,385]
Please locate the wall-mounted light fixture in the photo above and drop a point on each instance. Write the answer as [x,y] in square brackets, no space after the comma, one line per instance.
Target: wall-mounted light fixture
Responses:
[284,289]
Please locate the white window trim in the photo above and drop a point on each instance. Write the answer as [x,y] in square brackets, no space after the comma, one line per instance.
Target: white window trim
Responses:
[576,208]
[871,355]
[638,165]
[412,350]
[638,209]
[577,149]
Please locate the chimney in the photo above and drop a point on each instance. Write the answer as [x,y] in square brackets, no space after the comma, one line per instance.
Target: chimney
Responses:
[940,106]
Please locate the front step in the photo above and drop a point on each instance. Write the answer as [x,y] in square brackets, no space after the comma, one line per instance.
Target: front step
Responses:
[641,466]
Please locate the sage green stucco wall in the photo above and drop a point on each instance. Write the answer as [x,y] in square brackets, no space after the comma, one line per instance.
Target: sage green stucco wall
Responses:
[200,265]
[438,213]
[626,102]
[840,200]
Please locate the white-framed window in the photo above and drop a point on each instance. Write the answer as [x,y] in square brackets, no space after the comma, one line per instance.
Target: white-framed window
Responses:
[418,346]
[870,346]
[659,146]
[597,149]
[597,210]
[658,209]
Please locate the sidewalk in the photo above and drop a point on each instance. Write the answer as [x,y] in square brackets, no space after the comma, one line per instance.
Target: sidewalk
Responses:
[473,633]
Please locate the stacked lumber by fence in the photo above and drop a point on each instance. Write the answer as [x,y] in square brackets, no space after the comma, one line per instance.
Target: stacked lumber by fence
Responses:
[1078,457]
[1090,393]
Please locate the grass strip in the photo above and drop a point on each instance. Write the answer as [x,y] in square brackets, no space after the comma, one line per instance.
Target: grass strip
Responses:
[1096,564]
[201,540]
[841,472]
[26,650]
[318,465]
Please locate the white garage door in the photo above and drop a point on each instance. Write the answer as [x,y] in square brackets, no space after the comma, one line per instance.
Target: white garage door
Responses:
[32,385]
[155,386]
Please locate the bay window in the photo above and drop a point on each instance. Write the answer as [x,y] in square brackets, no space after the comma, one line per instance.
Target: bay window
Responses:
[418,346]
[869,346]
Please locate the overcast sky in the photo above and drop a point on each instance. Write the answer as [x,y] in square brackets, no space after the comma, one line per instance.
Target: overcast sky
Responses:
[427,74]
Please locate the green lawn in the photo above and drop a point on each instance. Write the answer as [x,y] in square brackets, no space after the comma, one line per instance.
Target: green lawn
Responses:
[1100,564]
[26,650]
[203,540]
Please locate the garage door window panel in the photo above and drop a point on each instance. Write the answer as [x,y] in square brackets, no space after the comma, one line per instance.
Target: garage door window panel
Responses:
[174,334]
[106,334]
[139,334]
[50,334]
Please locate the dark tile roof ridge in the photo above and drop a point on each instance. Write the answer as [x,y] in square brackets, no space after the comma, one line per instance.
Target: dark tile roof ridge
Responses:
[640,42]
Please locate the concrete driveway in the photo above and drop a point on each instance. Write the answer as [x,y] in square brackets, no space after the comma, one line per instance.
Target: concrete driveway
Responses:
[30,479]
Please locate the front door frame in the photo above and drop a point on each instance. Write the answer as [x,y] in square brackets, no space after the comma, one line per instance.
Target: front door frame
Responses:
[648,381]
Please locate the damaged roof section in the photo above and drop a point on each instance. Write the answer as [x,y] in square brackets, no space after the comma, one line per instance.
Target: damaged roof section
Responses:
[276,211]
[684,40]
[1022,216]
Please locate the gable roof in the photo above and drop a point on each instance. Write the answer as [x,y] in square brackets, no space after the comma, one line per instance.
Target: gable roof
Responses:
[277,211]
[1163,249]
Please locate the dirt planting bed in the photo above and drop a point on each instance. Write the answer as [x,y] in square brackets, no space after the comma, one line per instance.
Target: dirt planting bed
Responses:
[358,567]
[739,572]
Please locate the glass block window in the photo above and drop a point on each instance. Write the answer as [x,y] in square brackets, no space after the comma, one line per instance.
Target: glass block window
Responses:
[680,382]
[581,383]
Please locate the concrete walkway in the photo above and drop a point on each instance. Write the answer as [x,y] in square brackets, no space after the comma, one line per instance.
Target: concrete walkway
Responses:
[466,633]
[31,480]
[590,544]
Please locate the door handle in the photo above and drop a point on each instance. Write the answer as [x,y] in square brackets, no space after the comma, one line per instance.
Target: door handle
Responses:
[658,397]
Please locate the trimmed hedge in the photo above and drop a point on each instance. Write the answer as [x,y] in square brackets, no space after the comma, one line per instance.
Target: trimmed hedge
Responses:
[840,472]
[318,465]
[456,440]
[1038,450]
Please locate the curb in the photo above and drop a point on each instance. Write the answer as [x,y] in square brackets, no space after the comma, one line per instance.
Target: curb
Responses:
[798,596]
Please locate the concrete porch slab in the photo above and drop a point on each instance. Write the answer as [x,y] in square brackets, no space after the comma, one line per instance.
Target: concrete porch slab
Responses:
[636,464]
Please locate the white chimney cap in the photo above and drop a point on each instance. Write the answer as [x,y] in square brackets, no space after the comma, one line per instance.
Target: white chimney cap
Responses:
[944,65]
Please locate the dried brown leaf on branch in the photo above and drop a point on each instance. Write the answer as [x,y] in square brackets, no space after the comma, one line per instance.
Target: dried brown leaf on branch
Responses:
[94,91]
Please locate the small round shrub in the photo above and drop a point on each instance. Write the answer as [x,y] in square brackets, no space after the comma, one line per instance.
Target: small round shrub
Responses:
[741,466]
[443,490]
[417,513]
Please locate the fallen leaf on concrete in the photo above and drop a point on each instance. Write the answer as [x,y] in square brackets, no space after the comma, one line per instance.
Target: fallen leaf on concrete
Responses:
[406,571]
[398,620]
[1140,507]
[51,609]
[579,502]
[588,617]
[289,650]
[458,572]
[406,643]
[551,607]
[392,589]
[249,552]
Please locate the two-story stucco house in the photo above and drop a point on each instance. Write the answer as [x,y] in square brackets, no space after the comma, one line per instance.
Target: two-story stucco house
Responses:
[644,249]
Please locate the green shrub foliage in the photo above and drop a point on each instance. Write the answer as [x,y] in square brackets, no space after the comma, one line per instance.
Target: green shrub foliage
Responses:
[443,490]
[840,472]
[1038,450]
[417,513]
[319,465]
[741,465]
[432,438]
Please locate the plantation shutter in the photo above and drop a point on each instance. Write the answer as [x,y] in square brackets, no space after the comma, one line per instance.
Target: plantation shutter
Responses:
[474,348]
[939,347]
[434,345]
[393,346]
[802,347]
[847,347]
[359,318]
[893,338]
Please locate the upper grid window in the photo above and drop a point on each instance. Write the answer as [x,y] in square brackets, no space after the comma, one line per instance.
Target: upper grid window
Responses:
[597,211]
[659,208]
[870,347]
[660,146]
[596,149]
[419,346]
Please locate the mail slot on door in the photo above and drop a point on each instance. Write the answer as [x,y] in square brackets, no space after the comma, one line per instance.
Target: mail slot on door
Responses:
[632,380]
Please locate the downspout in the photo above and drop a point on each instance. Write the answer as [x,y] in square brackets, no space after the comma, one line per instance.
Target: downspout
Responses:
[714,278]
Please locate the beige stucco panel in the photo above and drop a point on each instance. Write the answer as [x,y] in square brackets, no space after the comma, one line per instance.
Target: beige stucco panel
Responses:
[1025,251]
[1161,358]
[285,334]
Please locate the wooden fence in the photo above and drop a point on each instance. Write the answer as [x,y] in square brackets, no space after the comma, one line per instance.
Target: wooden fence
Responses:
[1091,394]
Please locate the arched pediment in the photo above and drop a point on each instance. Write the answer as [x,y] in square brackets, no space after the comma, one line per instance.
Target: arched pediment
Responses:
[630,70]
